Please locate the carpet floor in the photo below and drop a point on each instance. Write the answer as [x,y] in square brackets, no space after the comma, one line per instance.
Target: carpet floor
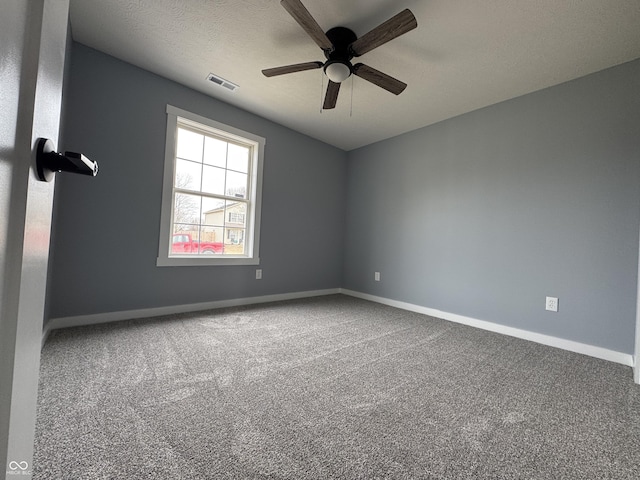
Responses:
[327,388]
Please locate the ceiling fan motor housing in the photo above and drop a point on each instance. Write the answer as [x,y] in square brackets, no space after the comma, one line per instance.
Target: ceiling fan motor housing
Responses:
[341,38]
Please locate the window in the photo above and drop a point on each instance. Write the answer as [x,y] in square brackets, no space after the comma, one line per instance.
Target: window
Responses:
[211,193]
[235,217]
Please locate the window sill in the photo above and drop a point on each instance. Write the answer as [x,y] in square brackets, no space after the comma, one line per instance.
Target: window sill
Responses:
[205,261]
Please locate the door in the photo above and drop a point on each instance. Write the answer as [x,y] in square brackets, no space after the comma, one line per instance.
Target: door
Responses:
[33,36]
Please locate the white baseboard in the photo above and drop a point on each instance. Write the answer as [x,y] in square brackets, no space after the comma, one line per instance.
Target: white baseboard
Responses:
[585,349]
[590,350]
[81,320]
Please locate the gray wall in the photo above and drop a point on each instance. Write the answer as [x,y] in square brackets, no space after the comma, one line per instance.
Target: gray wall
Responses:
[485,214]
[105,237]
[482,215]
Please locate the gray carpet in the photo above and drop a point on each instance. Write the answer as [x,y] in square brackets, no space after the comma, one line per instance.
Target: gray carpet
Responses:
[329,387]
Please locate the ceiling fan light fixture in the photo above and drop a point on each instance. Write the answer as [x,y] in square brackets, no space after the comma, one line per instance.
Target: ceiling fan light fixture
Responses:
[337,72]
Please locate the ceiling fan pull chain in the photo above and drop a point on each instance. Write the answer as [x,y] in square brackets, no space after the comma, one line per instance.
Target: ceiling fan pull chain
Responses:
[321,88]
[351,110]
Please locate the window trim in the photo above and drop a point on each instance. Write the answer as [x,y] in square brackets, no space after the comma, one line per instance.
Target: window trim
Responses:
[255,193]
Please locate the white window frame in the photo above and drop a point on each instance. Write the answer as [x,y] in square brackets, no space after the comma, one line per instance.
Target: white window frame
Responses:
[252,238]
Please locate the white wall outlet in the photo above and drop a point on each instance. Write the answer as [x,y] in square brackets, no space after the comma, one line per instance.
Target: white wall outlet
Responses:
[258,274]
[552,304]
[376,276]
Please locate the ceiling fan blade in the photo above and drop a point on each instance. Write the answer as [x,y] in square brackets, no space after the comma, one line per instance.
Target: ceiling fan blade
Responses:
[332,95]
[301,15]
[392,28]
[298,67]
[378,78]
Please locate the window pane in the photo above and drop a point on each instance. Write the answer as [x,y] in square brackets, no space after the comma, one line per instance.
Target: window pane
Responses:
[236,184]
[185,239]
[213,212]
[213,180]
[238,158]
[234,231]
[186,208]
[189,145]
[188,175]
[235,215]
[234,241]
[215,152]
[211,240]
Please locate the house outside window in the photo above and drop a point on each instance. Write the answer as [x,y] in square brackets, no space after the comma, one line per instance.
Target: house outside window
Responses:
[211,193]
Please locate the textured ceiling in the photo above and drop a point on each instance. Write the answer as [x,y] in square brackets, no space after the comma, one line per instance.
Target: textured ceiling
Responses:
[464,55]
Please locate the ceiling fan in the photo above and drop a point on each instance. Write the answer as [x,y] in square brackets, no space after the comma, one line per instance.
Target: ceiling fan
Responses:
[340,45]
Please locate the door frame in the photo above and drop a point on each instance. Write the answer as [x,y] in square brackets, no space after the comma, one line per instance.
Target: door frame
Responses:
[36,40]
[636,356]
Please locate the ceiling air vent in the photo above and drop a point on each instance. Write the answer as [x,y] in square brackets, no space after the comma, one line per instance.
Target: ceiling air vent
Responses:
[222,82]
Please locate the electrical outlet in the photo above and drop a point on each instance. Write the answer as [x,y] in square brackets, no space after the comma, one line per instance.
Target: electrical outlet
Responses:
[376,276]
[552,304]
[258,274]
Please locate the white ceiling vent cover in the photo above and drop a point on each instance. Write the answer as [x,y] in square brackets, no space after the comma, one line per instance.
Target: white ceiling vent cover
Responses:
[222,82]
